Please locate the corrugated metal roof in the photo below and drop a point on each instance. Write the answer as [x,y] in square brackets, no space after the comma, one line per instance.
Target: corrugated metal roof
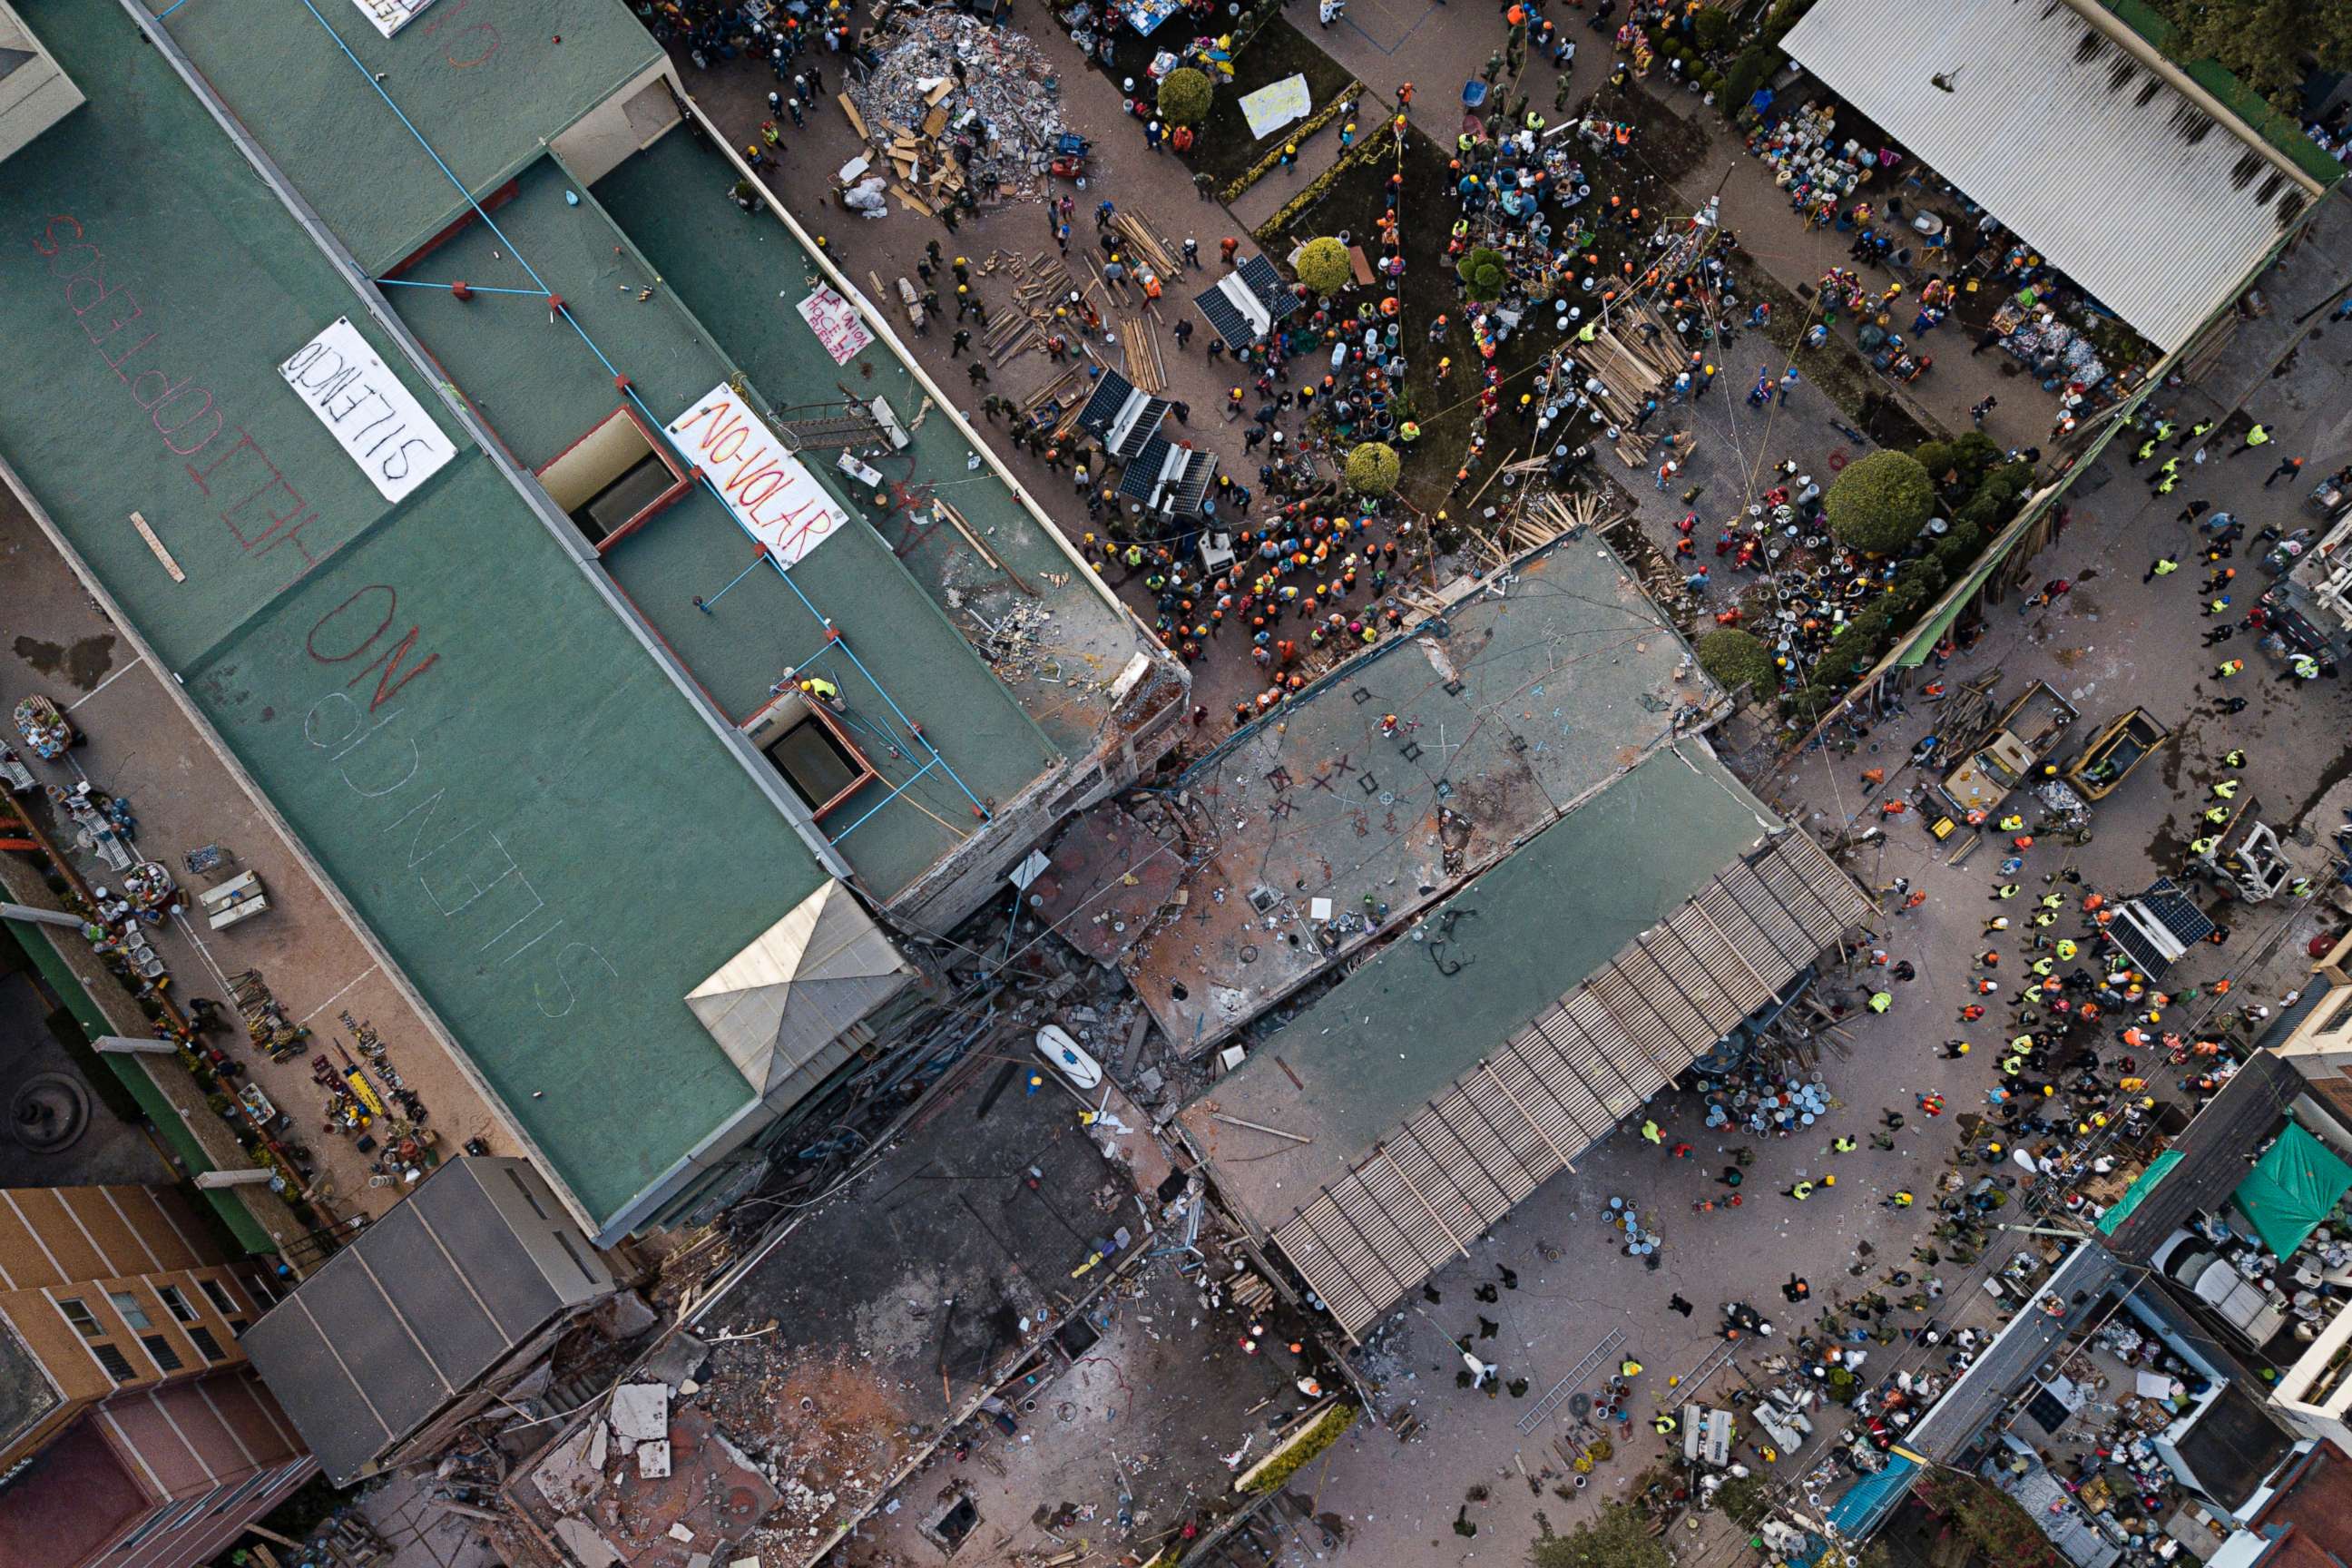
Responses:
[2214,1153]
[414,1312]
[2119,179]
[1451,1170]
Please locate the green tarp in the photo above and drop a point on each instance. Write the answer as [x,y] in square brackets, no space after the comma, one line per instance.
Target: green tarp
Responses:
[2145,1185]
[2292,1189]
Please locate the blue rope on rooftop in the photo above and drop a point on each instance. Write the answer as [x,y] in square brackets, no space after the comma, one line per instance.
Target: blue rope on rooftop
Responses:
[623,382]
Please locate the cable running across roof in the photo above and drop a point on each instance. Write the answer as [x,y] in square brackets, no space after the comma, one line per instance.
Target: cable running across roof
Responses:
[836,638]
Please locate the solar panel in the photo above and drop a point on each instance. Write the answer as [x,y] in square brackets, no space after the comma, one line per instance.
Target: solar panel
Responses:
[2177,912]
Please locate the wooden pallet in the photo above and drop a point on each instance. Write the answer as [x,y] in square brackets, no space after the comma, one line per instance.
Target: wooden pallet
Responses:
[1143,363]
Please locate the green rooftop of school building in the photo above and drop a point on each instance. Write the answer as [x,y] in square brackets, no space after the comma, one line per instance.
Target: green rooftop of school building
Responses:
[484,82]
[520,801]
[898,661]
[508,754]
[1390,1037]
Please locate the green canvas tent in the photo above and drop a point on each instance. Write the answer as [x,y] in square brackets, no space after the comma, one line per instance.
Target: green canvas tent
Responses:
[2292,1189]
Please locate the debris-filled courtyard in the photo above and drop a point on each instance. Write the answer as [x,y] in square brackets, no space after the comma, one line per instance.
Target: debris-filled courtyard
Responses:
[1469,842]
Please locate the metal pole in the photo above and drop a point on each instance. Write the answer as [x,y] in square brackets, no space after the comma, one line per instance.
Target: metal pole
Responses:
[34,916]
[124,1045]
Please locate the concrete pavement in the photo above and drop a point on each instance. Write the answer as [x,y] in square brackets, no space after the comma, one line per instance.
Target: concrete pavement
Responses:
[143,746]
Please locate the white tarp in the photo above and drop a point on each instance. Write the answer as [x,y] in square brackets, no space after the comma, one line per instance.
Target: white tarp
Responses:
[368,410]
[769,492]
[1273,106]
[834,321]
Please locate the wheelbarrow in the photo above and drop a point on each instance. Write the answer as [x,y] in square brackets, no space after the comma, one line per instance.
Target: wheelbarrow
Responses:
[1072,146]
[1067,168]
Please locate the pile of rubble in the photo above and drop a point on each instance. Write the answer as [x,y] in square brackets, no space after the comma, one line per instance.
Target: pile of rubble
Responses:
[957,107]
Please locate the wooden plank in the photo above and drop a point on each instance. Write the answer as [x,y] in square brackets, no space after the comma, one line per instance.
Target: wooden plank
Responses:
[1361,265]
[156,545]
[899,189]
[857,121]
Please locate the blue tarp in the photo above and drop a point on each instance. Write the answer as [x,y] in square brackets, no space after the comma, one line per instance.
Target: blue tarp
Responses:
[1869,1501]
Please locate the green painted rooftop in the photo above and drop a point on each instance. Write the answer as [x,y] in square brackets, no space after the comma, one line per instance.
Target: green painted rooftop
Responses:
[485,81]
[522,805]
[1386,1040]
[899,661]
[1052,635]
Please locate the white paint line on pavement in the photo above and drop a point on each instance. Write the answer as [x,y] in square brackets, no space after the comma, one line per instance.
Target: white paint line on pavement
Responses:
[339,996]
[188,929]
[107,682]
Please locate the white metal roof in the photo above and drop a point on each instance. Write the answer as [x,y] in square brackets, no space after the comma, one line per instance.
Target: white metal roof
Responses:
[777,1005]
[2116,176]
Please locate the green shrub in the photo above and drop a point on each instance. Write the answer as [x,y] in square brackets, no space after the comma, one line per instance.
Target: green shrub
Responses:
[1880,503]
[1711,28]
[1271,1472]
[1959,549]
[1487,273]
[1184,96]
[1735,659]
[1751,70]
[1323,266]
[1372,468]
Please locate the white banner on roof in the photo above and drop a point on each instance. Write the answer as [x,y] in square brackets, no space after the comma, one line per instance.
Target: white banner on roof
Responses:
[770,492]
[372,415]
[834,321]
[391,15]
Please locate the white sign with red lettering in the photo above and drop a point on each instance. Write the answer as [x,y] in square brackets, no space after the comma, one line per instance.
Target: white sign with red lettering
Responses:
[834,321]
[769,492]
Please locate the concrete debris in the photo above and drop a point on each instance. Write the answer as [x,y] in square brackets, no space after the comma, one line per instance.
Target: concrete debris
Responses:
[589,1549]
[572,1471]
[653,1459]
[959,108]
[640,1412]
[623,1316]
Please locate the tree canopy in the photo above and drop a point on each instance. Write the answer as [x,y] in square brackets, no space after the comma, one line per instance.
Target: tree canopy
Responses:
[1617,1537]
[1323,266]
[1734,658]
[1184,95]
[1881,503]
[1372,468]
[2262,43]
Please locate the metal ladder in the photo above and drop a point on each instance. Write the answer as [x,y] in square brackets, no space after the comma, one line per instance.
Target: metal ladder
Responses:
[845,429]
[1566,1386]
[1708,1365]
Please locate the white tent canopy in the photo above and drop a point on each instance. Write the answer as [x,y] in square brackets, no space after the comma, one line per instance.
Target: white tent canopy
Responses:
[2062,124]
[777,1007]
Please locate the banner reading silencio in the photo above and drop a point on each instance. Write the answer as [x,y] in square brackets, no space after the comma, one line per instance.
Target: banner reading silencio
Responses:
[370,411]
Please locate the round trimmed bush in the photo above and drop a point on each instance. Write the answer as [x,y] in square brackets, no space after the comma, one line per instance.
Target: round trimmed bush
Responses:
[1372,468]
[1881,503]
[1734,659]
[1485,271]
[1323,266]
[1184,95]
